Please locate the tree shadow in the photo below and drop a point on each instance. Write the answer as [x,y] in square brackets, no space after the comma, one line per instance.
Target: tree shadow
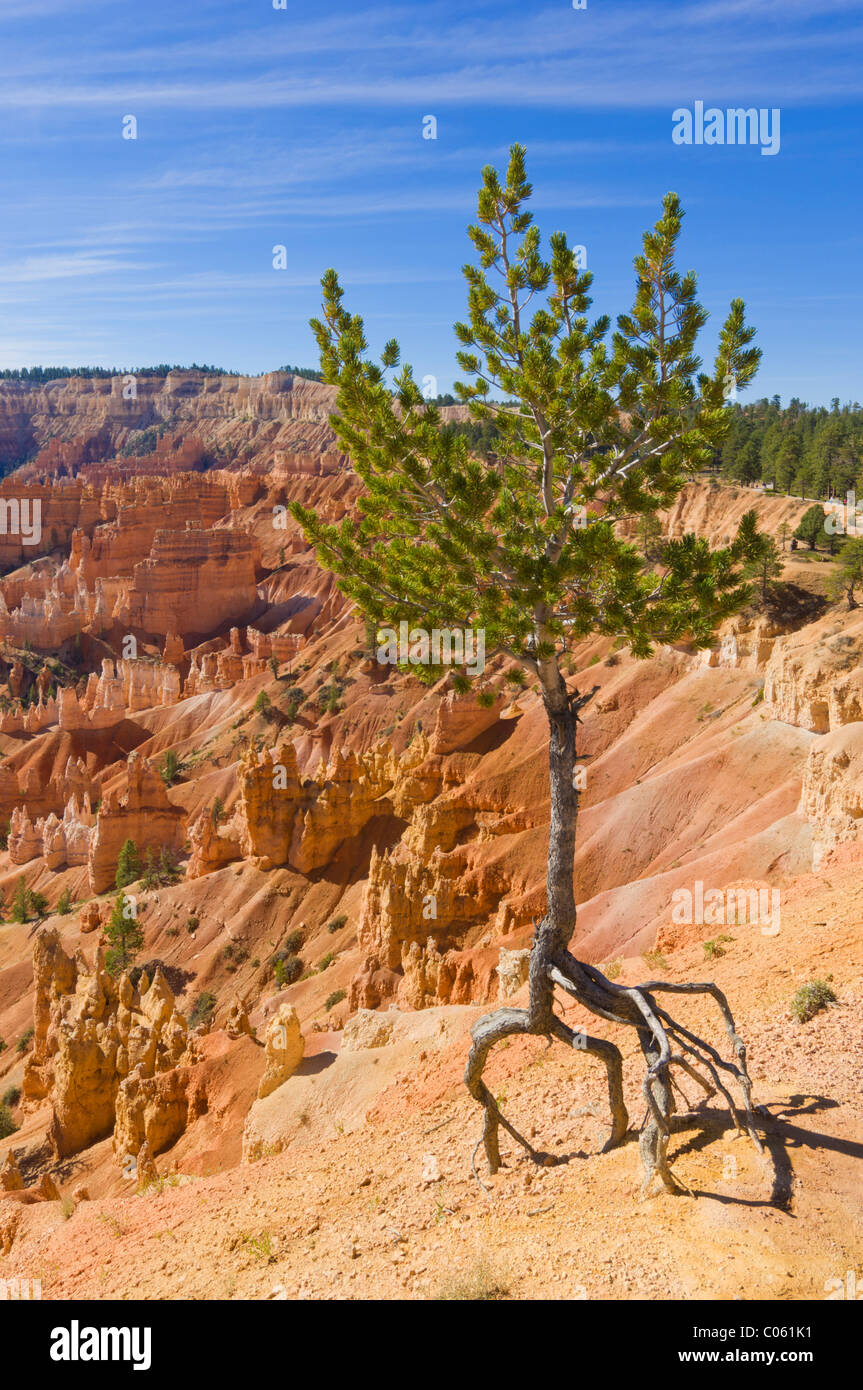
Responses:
[779,1138]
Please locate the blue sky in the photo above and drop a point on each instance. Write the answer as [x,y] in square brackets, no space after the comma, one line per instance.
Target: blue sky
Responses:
[303,127]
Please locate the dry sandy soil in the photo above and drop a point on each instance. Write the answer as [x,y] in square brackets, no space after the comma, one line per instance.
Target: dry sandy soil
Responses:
[374,1195]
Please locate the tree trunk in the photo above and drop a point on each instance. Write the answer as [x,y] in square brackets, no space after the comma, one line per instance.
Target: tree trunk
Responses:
[551,964]
[564,816]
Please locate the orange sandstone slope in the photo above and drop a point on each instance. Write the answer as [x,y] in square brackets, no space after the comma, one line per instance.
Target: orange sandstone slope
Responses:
[391,838]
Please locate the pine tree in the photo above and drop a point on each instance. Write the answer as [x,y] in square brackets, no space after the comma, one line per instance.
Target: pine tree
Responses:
[124,936]
[168,870]
[21,902]
[849,574]
[128,865]
[64,903]
[593,427]
[150,877]
[649,537]
[763,559]
[37,903]
[812,527]
[171,768]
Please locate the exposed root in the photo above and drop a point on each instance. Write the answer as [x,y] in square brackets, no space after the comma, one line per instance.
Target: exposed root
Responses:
[664,1043]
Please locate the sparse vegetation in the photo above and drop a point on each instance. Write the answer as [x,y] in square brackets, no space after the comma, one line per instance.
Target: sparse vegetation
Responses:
[333,999]
[811,998]
[262,1247]
[25,1040]
[7,1124]
[478,1284]
[203,1008]
[337,923]
[655,959]
[716,947]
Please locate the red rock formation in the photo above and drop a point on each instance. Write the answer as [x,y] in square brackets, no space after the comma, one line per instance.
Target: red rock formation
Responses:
[145,814]
[192,581]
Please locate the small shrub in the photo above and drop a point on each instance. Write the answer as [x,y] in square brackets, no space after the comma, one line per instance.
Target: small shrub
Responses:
[262,703]
[293,942]
[7,1124]
[811,998]
[655,959]
[64,903]
[25,1040]
[11,1096]
[715,948]
[326,961]
[480,1284]
[337,923]
[287,970]
[193,921]
[333,999]
[611,970]
[262,1247]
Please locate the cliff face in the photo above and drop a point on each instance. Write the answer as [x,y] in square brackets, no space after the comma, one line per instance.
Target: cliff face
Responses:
[94,420]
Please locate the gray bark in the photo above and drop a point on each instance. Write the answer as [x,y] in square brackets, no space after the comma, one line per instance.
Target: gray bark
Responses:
[663,1042]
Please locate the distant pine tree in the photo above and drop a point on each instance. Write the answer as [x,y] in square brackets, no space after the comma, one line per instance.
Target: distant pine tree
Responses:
[812,528]
[21,902]
[128,865]
[124,935]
